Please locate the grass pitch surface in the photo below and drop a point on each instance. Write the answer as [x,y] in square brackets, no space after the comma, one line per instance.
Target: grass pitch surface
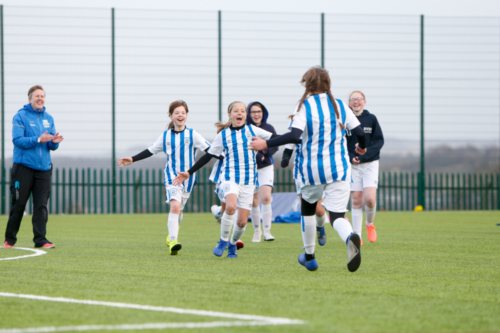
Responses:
[427,272]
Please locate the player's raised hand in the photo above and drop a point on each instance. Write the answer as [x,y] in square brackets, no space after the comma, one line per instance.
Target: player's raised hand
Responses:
[57,138]
[181,176]
[124,161]
[257,144]
[359,150]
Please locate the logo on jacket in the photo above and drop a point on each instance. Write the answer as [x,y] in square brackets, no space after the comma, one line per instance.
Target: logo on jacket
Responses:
[46,123]
[32,123]
[368,129]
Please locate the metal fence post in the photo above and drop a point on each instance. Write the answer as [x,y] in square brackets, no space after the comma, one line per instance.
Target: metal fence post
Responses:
[220,66]
[2,167]
[113,154]
[421,178]
[323,40]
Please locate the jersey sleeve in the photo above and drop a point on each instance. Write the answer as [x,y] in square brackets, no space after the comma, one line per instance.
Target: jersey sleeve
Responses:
[157,146]
[299,120]
[351,121]
[216,148]
[260,133]
[200,142]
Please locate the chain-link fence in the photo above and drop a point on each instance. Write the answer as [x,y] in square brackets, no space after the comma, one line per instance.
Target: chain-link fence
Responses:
[110,74]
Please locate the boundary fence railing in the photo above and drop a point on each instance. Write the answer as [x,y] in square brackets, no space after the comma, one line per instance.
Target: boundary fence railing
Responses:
[88,191]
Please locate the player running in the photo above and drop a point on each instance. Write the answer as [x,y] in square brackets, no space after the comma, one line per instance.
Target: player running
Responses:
[364,167]
[324,162]
[257,116]
[180,144]
[239,174]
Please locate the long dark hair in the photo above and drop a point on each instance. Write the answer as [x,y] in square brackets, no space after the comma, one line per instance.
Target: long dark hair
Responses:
[174,105]
[317,81]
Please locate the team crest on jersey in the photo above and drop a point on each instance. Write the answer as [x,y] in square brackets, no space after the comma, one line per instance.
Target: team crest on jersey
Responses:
[46,123]
[186,141]
[248,135]
[173,192]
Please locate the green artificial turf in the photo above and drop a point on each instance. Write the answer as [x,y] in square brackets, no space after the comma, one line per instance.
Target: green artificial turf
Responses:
[427,272]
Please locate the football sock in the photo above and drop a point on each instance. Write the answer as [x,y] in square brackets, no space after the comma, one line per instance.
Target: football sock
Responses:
[343,228]
[320,220]
[370,215]
[237,233]
[309,233]
[255,216]
[267,216]
[357,220]
[226,223]
[173,226]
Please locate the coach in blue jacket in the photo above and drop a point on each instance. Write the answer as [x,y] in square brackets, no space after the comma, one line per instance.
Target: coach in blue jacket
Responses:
[34,136]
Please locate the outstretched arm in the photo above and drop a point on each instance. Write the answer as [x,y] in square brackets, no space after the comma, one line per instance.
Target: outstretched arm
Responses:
[129,160]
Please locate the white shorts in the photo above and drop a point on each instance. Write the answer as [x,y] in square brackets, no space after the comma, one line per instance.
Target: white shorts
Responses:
[265,177]
[364,175]
[298,186]
[336,195]
[177,193]
[219,193]
[244,193]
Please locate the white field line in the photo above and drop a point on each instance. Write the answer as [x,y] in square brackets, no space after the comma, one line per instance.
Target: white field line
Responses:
[37,253]
[250,320]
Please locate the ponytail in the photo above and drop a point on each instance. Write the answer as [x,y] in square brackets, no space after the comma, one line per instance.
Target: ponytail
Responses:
[336,109]
[171,125]
[220,126]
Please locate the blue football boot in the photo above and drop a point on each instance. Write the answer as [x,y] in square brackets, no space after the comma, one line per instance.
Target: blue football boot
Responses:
[311,265]
[220,247]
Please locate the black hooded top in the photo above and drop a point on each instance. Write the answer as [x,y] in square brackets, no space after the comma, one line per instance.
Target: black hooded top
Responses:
[373,135]
[269,152]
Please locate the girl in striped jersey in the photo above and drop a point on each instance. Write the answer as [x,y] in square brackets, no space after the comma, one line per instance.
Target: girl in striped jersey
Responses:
[180,144]
[323,162]
[238,173]
[321,216]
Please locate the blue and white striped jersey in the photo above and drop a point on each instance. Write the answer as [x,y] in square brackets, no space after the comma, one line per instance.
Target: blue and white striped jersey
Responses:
[181,148]
[323,157]
[239,164]
[296,170]
[216,170]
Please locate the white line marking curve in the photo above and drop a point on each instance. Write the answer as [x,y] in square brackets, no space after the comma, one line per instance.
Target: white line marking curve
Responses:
[249,320]
[37,253]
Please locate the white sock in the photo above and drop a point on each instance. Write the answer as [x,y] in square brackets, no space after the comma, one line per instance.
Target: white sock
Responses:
[357,220]
[267,216]
[320,220]
[370,215]
[308,229]
[343,228]
[226,223]
[237,233]
[255,216]
[173,226]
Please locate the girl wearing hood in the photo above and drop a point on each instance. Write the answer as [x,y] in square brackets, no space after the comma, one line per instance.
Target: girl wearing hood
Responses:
[257,116]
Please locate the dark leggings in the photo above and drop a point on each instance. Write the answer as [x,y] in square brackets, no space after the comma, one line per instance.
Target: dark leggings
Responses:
[309,209]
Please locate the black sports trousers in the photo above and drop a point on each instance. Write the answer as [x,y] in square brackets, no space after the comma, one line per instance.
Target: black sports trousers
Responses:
[26,181]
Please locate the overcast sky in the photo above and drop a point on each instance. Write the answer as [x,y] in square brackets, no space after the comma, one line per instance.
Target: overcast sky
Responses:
[391,7]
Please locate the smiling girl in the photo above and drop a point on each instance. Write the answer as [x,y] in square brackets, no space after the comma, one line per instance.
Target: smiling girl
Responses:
[180,144]
[239,173]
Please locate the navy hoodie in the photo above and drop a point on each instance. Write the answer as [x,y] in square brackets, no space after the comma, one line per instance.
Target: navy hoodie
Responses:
[373,135]
[269,152]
